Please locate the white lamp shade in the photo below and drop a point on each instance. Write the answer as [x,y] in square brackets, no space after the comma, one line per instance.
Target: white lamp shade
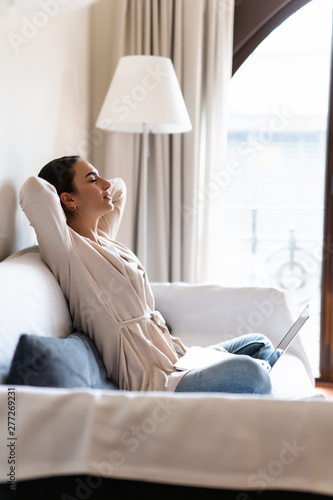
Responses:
[144,95]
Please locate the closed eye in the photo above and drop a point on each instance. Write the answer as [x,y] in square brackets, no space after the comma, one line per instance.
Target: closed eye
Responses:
[92,175]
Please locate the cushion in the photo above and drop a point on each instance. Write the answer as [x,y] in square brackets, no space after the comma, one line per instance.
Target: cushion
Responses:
[51,362]
[31,301]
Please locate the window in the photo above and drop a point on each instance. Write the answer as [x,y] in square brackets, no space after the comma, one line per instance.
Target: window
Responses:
[271,212]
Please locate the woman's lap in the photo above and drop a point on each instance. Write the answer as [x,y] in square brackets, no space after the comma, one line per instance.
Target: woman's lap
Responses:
[234,374]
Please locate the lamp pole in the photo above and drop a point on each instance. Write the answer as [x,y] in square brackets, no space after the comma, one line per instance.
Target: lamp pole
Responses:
[143,204]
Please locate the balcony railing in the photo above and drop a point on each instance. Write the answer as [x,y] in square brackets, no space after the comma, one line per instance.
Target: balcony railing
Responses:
[280,247]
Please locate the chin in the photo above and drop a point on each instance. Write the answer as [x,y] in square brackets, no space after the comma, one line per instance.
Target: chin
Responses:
[110,208]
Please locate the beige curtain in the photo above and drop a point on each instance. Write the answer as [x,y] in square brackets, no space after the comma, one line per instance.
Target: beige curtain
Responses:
[197,36]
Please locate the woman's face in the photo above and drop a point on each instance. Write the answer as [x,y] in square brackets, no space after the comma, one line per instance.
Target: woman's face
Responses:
[92,192]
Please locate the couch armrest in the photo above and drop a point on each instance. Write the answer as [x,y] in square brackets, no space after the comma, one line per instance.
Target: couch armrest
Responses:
[204,314]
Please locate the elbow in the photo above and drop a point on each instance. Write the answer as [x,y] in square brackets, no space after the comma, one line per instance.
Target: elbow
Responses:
[33,188]
[28,189]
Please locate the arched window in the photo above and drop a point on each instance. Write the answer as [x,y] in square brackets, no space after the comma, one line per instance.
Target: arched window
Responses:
[272,211]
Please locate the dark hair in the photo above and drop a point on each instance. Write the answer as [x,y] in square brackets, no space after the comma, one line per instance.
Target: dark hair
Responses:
[60,174]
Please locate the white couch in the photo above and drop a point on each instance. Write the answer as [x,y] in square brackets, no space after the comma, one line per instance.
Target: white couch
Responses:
[196,440]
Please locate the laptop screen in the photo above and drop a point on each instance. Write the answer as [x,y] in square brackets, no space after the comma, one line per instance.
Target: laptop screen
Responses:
[291,334]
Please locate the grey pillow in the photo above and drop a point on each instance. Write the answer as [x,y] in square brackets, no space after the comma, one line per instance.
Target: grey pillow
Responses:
[51,362]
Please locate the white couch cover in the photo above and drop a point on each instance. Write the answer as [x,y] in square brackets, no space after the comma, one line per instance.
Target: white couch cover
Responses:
[213,440]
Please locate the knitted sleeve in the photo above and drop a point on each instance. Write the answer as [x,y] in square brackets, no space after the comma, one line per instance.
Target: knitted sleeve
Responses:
[41,204]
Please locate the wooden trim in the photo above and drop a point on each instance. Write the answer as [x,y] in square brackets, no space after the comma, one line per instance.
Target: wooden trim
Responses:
[326,388]
[326,350]
[254,20]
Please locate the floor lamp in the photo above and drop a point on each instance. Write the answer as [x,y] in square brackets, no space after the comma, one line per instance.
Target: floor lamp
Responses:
[144,97]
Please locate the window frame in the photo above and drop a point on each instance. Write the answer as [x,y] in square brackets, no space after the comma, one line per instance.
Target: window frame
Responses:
[326,340]
[254,20]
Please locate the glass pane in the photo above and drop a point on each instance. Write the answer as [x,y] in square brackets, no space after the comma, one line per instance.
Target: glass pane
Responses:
[272,224]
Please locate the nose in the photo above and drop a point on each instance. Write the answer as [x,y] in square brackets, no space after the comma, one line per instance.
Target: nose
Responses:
[106,184]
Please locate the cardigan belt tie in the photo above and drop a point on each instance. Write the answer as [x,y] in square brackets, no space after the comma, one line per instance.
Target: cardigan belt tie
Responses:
[153,315]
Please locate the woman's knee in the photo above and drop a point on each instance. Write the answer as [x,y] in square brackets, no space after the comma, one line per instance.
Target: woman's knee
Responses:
[267,347]
[263,339]
[256,375]
[243,374]
[238,374]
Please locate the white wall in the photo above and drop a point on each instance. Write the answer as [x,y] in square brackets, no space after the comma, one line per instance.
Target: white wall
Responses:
[44,104]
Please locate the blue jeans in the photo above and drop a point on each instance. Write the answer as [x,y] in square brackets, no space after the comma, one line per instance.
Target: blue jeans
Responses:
[239,374]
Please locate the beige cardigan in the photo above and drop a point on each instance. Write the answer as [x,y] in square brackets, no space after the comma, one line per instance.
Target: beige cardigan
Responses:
[107,290]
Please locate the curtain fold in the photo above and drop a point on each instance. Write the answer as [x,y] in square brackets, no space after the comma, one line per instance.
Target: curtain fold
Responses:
[197,36]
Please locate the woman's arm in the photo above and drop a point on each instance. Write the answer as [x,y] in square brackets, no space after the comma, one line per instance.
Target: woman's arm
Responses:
[41,204]
[109,223]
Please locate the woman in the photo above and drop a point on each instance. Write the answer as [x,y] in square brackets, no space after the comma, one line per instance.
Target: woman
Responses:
[76,215]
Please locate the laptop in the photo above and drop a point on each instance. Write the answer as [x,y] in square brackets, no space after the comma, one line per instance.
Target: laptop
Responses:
[289,336]
[200,357]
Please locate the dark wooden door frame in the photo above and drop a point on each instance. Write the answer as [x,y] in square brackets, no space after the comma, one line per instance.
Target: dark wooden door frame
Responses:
[326,349]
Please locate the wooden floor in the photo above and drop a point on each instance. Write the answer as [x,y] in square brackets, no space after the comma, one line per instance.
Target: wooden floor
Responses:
[327,389]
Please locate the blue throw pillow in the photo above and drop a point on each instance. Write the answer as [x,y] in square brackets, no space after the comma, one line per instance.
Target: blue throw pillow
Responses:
[51,362]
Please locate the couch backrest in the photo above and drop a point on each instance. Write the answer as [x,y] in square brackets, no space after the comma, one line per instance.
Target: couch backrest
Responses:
[31,301]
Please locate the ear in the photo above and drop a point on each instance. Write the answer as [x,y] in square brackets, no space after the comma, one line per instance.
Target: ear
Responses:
[67,200]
